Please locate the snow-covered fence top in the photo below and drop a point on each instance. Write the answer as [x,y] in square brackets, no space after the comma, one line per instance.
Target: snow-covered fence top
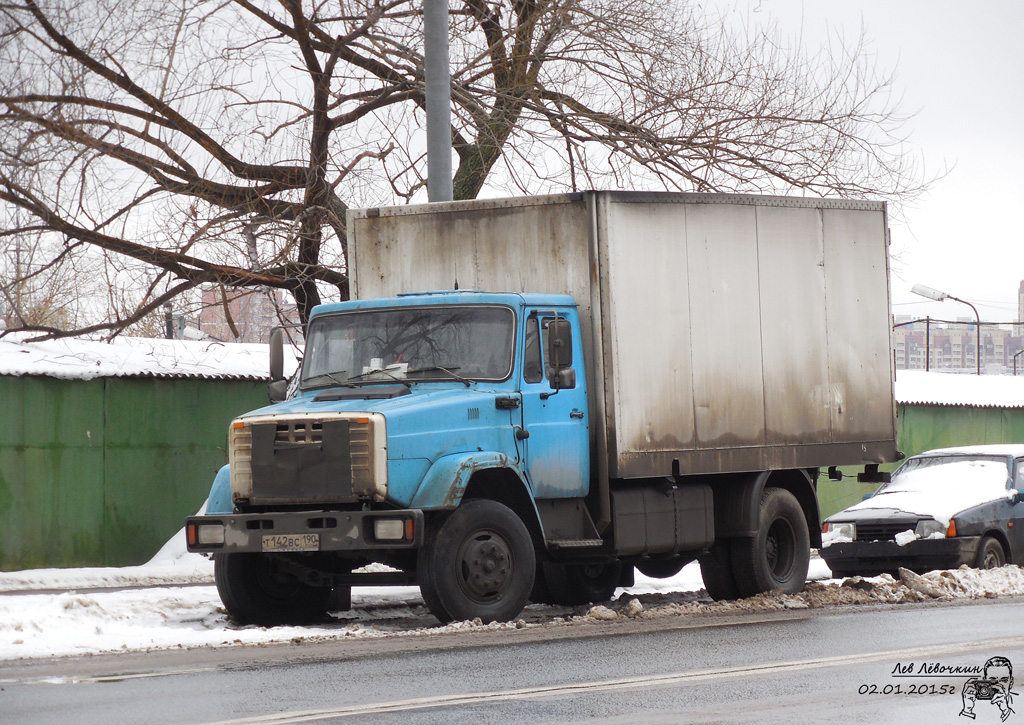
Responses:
[914,387]
[81,359]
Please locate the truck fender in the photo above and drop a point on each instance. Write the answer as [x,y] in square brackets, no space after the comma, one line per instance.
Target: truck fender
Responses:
[445,481]
[219,501]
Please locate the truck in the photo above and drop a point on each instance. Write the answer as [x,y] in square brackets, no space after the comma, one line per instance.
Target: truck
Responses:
[530,399]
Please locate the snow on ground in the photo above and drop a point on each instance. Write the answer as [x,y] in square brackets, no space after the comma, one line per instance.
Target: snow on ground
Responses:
[89,611]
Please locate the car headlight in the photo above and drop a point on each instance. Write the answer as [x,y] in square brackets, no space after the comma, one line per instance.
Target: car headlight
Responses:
[929,527]
[837,533]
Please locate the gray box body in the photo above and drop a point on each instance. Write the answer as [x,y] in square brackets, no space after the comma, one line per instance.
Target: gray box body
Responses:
[722,333]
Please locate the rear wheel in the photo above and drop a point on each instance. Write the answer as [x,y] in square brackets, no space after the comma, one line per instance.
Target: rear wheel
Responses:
[990,554]
[572,584]
[257,589]
[716,570]
[479,563]
[777,556]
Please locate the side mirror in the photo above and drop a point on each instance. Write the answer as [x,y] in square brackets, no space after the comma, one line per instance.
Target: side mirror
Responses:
[277,390]
[276,354]
[559,344]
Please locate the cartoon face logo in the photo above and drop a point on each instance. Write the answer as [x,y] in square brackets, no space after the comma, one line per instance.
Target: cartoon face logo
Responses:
[994,687]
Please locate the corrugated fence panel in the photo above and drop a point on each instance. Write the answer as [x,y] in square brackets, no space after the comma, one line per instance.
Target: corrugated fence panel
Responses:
[51,472]
[103,472]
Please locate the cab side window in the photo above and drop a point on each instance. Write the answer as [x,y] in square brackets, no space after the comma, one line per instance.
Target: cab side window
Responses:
[1018,479]
[533,368]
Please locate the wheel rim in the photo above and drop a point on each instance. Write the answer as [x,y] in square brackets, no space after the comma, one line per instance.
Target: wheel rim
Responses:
[485,565]
[780,552]
[991,559]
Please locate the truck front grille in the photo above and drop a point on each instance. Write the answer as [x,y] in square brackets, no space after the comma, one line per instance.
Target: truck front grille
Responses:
[299,431]
[332,459]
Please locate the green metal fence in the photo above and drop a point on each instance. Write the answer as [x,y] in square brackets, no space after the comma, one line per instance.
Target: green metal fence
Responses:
[102,472]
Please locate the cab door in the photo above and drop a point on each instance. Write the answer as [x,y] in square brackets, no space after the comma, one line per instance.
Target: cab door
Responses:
[555,419]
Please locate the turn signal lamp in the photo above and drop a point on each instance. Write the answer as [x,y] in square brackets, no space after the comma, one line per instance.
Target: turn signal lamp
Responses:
[951,529]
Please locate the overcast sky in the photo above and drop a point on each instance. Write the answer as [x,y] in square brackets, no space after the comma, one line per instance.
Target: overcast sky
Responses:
[959,69]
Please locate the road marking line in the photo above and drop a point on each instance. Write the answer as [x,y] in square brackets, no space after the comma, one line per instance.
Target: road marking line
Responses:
[1001,643]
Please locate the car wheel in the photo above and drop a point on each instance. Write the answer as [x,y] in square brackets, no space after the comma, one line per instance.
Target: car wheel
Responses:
[990,554]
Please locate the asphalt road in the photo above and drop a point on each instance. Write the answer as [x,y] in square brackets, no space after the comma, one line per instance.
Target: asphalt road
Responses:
[837,665]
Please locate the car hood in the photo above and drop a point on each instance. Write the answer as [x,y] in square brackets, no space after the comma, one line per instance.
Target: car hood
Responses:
[939,493]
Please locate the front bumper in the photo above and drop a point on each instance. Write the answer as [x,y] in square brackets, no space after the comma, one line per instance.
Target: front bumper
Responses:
[868,558]
[305,531]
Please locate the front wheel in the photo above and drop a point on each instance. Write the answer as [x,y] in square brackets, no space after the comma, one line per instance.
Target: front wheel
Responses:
[990,554]
[479,563]
[255,589]
[777,556]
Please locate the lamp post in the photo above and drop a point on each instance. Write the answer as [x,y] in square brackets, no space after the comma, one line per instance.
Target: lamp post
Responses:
[934,294]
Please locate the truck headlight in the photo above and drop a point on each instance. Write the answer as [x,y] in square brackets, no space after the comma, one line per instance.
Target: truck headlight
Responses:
[393,529]
[838,533]
[927,528]
[205,534]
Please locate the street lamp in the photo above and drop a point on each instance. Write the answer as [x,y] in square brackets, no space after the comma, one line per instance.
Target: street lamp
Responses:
[934,294]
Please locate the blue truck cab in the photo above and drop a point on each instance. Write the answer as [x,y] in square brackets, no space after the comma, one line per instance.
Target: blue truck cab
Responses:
[406,410]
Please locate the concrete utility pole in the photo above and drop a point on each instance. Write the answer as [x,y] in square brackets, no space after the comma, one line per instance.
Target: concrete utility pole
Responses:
[437,84]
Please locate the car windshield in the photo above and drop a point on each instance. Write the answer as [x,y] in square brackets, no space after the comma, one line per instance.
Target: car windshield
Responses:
[981,474]
[409,344]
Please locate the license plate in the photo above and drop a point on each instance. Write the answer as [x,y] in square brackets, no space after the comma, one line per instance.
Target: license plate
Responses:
[291,542]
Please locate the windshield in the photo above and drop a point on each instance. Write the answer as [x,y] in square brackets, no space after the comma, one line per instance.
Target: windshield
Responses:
[409,344]
[987,474]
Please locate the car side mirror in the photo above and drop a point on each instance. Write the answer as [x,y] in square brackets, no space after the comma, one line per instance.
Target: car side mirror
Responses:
[1016,496]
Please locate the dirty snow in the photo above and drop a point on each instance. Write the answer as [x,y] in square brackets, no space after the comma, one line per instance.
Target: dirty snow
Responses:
[87,611]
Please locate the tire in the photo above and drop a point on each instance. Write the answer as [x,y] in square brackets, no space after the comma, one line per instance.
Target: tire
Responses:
[990,554]
[574,584]
[255,591]
[777,556]
[662,568]
[541,594]
[480,562]
[716,570]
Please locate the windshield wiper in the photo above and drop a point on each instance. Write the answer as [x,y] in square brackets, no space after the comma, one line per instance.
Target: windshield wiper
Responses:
[450,370]
[330,376]
[375,371]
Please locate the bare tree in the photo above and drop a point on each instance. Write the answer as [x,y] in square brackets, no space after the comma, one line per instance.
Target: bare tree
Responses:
[220,142]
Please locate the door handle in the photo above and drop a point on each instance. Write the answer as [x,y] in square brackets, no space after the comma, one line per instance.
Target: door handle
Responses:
[576,414]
